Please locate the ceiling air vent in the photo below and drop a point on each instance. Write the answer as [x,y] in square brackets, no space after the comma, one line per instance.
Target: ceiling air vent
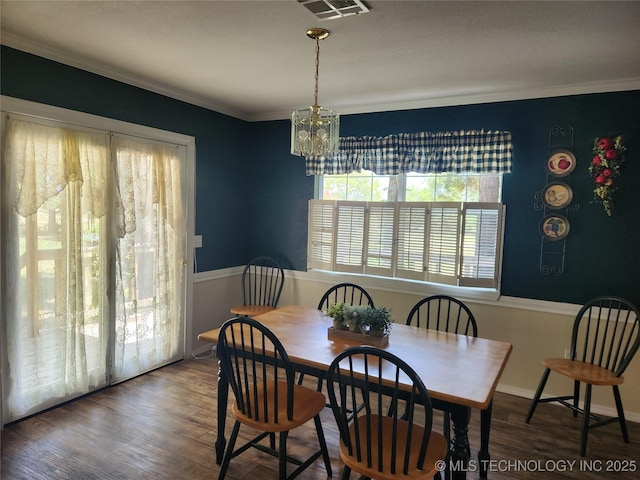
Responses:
[327,9]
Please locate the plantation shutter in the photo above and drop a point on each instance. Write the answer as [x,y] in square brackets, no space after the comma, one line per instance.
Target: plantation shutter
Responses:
[321,241]
[350,236]
[443,243]
[380,245]
[481,244]
[410,251]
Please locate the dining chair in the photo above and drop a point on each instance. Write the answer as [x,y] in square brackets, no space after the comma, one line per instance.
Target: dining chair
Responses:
[262,283]
[384,423]
[267,399]
[604,339]
[348,293]
[446,314]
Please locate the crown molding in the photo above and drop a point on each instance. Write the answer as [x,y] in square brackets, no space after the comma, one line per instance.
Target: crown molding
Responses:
[622,85]
[88,65]
[83,63]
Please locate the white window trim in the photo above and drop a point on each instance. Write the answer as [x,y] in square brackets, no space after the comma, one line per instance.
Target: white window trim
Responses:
[401,285]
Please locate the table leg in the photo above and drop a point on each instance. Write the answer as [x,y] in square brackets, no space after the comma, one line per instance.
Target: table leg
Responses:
[460,451]
[223,394]
[485,428]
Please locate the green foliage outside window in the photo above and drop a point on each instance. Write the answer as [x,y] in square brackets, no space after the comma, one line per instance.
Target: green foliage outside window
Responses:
[412,187]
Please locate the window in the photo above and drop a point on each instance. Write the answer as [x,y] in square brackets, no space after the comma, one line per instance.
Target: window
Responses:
[441,228]
[411,187]
[375,214]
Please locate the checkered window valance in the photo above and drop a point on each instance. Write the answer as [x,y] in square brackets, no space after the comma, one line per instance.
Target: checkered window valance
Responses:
[474,151]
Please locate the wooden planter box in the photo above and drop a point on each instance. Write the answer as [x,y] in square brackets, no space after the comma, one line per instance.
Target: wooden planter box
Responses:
[359,338]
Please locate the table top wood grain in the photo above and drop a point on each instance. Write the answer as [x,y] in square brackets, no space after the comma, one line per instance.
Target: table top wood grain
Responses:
[454,368]
[251,310]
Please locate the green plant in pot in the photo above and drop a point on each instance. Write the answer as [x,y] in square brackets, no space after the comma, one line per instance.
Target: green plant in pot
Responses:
[337,312]
[379,322]
[357,317]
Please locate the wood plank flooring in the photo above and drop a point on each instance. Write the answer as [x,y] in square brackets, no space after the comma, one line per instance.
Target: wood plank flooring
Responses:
[162,426]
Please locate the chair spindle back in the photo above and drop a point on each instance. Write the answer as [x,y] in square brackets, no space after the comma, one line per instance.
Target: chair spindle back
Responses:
[443,313]
[262,282]
[606,333]
[377,418]
[348,293]
[253,359]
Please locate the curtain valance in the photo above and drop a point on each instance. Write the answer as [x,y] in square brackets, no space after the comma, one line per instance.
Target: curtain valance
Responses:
[43,160]
[473,151]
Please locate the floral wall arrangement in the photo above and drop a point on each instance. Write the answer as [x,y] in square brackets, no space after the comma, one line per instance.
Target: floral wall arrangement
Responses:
[605,167]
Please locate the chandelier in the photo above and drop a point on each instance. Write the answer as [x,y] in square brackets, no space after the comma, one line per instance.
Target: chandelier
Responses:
[314,129]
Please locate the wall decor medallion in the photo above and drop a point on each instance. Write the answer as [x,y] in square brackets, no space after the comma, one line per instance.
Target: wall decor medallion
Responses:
[557,195]
[554,227]
[561,163]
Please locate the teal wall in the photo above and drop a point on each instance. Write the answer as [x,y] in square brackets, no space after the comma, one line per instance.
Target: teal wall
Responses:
[251,194]
[222,150]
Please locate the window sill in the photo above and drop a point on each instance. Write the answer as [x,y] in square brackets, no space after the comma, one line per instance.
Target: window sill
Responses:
[402,285]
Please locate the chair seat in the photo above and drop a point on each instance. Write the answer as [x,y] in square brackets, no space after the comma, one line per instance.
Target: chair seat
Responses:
[437,450]
[251,310]
[307,404]
[583,372]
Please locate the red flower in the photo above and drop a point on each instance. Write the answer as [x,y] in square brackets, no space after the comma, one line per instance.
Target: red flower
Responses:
[600,179]
[607,172]
[611,154]
[605,143]
[596,160]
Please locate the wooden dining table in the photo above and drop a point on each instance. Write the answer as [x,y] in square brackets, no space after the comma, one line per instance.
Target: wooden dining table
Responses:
[251,310]
[460,372]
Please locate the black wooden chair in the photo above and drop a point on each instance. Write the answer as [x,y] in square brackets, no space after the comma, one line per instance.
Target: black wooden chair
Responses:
[605,337]
[262,283]
[266,396]
[384,425]
[348,293]
[445,314]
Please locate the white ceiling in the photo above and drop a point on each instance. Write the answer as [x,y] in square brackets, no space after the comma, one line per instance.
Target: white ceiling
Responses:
[252,59]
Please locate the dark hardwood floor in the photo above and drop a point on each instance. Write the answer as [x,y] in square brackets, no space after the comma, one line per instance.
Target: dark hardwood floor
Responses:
[162,426]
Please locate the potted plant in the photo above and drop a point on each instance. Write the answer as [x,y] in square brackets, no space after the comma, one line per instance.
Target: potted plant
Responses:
[337,312]
[379,321]
[357,316]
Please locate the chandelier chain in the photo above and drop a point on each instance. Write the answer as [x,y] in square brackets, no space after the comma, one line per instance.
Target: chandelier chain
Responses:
[317,69]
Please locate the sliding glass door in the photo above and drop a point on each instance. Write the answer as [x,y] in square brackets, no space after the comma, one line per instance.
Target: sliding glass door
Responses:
[93,243]
[149,251]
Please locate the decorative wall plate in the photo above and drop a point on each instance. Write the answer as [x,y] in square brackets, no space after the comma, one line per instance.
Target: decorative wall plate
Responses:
[557,195]
[561,163]
[554,227]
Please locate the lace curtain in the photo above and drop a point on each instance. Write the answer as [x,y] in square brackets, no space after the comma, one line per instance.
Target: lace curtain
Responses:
[55,188]
[474,151]
[72,199]
[149,267]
